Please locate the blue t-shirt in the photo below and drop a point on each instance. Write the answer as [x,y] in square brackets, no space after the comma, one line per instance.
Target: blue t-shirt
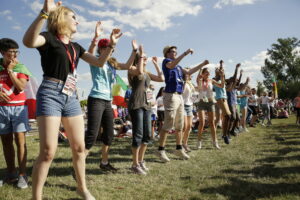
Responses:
[220,92]
[243,100]
[173,77]
[102,77]
[232,100]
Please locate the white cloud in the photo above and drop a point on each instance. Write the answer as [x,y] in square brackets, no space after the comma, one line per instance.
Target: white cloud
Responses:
[96,3]
[5,12]
[221,3]
[77,7]
[36,6]
[16,27]
[85,77]
[9,18]
[148,13]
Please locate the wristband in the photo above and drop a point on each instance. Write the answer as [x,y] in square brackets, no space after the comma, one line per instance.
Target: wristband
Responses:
[44,15]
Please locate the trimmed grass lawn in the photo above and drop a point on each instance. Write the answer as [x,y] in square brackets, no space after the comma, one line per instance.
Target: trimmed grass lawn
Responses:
[261,164]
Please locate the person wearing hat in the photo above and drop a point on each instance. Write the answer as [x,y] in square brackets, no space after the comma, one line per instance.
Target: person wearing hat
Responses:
[173,101]
[100,113]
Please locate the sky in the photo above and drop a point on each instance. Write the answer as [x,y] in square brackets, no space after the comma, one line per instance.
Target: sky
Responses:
[236,31]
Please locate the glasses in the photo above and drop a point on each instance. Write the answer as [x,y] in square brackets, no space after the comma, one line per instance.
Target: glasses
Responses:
[13,52]
[172,51]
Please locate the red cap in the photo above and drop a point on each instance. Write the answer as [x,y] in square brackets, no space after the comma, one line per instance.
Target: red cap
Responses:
[103,43]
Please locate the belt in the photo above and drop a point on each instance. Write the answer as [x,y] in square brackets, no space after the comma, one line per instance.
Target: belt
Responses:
[53,79]
[174,93]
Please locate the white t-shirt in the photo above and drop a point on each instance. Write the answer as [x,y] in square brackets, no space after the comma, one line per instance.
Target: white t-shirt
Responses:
[206,91]
[265,100]
[160,103]
[187,95]
[252,100]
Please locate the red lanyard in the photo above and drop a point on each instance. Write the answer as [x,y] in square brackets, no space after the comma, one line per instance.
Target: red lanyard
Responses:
[72,61]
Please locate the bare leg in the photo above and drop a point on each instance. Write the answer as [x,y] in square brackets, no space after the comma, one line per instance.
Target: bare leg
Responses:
[48,134]
[104,153]
[9,152]
[211,120]
[142,151]
[20,140]
[187,128]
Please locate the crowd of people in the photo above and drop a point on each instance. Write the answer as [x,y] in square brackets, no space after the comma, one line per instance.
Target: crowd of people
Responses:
[178,108]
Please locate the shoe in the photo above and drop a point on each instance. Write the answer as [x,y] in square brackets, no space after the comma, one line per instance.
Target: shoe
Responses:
[108,167]
[162,156]
[263,124]
[138,170]
[143,166]
[22,182]
[216,145]
[186,148]
[253,126]
[85,195]
[233,133]
[199,144]
[10,178]
[226,139]
[181,154]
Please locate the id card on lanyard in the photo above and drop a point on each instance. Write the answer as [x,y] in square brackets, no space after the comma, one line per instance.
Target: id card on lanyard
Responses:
[70,83]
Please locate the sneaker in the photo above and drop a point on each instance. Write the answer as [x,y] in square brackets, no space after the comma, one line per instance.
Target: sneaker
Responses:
[263,124]
[143,166]
[181,154]
[186,148]
[246,130]
[199,144]
[85,195]
[138,170]
[226,139]
[22,182]
[252,125]
[108,167]
[216,145]
[162,156]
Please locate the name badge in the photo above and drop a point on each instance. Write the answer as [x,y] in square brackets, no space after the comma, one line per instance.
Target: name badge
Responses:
[70,85]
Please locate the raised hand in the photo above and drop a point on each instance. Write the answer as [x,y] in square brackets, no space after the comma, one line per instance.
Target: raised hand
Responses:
[115,36]
[241,71]
[12,63]
[98,29]
[191,51]
[50,5]
[134,45]
[205,62]
[238,65]
[154,60]
[221,62]
[141,50]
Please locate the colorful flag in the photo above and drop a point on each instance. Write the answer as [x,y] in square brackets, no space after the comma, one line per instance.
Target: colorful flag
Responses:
[30,91]
[275,91]
[118,92]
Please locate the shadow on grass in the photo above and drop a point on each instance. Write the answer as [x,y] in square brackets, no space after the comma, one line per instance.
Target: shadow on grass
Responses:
[246,190]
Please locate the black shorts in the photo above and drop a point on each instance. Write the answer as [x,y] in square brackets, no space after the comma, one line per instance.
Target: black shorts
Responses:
[160,115]
[253,109]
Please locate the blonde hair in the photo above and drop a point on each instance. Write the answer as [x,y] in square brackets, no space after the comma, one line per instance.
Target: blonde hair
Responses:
[56,22]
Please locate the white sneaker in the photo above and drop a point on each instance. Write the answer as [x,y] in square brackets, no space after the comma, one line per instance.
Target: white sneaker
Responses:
[246,130]
[199,144]
[216,145]
[143,166]
[163,156]
[138,170]
[181,154]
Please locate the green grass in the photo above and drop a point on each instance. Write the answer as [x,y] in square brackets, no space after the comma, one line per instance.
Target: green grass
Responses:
[262,164]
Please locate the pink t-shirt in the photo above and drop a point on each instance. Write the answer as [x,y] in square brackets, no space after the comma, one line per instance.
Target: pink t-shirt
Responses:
[297,102]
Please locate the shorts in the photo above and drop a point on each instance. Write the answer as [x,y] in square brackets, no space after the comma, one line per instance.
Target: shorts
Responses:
[207,106]
[174,109]
[160,115]
[153,117]
[13,119]
[253,109]
[188,110]
[52,102]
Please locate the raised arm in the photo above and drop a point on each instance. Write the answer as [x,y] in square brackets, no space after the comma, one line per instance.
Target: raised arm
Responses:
[93,45]
[20,84]
[175,62]
[159,77]
[130,60]
[139,69]
[32,37]
[99,62]
[240,78]
[195,69]
[222,84]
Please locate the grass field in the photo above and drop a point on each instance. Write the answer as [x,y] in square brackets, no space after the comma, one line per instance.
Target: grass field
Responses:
[261,164]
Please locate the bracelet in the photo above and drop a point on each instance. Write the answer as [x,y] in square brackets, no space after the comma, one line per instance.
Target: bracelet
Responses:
[44,15]
[43,12]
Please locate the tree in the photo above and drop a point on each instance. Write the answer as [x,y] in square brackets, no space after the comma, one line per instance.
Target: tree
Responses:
[283,63]
[259,88]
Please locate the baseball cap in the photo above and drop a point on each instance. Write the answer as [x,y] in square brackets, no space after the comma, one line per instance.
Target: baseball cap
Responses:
[167,48]
[103,43]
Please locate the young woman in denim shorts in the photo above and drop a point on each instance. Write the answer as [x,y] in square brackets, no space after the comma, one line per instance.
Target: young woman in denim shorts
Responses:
[206,102]
[139,107]
[56,98]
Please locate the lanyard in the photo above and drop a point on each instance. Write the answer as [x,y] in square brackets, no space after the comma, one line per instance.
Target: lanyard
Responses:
[72,61]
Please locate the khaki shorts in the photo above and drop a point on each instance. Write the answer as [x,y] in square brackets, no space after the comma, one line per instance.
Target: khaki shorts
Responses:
[208,106]
[174,111]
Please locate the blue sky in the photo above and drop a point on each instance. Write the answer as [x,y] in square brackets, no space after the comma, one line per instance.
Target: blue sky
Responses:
[232,30]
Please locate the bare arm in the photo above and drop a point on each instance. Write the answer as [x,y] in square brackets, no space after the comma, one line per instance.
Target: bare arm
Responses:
[93,44]
[130,61]
[159,77]
[222,84]
[20,84]
[138,70]
[175,62]
[195,69]
[32,37]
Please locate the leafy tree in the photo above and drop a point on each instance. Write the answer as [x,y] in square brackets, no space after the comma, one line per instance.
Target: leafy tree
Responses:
[260,88]
[283,63]
[83,103]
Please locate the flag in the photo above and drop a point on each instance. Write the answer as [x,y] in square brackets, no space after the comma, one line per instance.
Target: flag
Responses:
[118,92]
[30,91]
[275,91]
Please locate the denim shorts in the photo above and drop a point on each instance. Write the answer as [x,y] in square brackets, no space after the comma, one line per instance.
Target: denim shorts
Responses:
[13,119]
[52,102]
[188,110]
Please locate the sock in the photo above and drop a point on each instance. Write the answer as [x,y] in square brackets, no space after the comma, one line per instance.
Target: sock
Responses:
[161,148]
[178,147]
